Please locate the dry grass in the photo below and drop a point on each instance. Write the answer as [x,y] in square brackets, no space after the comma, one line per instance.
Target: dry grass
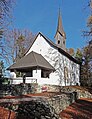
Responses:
[6,114]
[81,109]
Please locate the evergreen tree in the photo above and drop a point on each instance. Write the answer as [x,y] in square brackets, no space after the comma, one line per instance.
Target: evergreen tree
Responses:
[86,69]
[78,55]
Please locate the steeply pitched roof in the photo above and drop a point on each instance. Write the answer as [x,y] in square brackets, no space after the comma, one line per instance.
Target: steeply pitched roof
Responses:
[54,45]
[32,60]
[57,47]
[60,29]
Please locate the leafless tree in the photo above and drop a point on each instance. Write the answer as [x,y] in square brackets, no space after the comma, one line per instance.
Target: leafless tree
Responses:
[86,70]
[5,11]
[16,42]
[5,16]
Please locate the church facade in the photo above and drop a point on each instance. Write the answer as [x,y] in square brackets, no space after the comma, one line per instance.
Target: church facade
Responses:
[48,62]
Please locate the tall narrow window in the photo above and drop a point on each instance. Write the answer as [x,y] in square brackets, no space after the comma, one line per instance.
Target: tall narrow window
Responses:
[66,75]
[64,42]
[58,41]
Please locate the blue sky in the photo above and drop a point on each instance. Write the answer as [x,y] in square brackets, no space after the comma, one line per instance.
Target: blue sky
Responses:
[42,15]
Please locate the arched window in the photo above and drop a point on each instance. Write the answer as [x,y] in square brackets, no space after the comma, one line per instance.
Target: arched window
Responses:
[66,75]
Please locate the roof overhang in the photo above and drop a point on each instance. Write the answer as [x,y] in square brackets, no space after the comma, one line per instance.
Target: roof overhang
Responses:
[32,61]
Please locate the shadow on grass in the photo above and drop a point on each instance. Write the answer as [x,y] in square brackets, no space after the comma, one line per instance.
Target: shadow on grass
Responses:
[82,109]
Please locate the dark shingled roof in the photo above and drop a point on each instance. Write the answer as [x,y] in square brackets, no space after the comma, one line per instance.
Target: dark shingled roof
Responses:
[32,60]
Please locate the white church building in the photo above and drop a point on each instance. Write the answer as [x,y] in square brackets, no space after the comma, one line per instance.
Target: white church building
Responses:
[48,63]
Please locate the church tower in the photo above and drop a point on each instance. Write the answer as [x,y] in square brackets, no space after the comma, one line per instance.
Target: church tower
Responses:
[60,35]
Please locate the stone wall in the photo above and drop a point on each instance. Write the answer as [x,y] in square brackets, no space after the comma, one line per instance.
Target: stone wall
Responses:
[18,89]
[35,108]
[80,92]
[57,103]
[60,102]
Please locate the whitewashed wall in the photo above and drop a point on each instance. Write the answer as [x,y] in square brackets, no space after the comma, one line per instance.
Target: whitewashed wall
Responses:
[52,55]
[19,80]
[37,73]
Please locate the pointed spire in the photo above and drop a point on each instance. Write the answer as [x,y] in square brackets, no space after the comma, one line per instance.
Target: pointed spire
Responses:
[60,26]
[60,35]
